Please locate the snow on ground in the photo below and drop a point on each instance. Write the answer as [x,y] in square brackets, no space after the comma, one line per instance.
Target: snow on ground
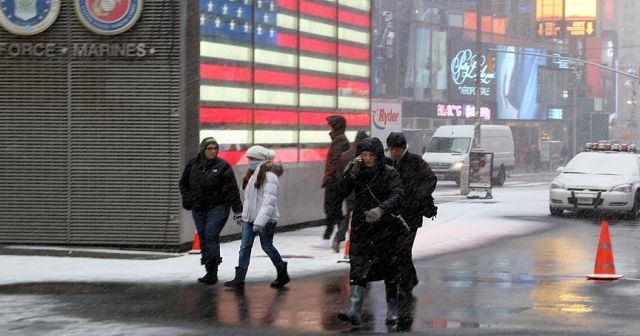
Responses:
[461,224]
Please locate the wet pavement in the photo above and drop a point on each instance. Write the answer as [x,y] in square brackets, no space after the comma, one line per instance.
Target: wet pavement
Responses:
[529,285]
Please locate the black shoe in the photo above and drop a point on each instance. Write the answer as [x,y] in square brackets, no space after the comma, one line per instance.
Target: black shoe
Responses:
[283,276]
[238,282]
[209,279]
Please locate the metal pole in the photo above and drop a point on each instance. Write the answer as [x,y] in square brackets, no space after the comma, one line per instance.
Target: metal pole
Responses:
[575,117]
[476,140]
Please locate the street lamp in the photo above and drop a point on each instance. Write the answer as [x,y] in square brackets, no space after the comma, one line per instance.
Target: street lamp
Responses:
[574,104]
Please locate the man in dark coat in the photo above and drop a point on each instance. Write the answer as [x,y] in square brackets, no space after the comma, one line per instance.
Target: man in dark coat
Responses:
[378,195]
[209,188]
[331,178]
[418,182]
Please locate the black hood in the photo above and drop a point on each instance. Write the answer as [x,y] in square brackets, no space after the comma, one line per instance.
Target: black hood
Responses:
[373,145]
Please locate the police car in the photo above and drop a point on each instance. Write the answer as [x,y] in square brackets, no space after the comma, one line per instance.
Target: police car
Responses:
[603,178]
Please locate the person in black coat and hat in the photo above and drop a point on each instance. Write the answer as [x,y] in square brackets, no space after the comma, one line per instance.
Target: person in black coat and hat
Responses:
[209,189]
[419,182]
[378,195]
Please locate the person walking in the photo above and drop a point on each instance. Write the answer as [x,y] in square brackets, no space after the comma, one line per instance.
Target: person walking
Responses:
[260,215]
[345,158]
[331,178]
[419,182]
[209,189]
[378,195]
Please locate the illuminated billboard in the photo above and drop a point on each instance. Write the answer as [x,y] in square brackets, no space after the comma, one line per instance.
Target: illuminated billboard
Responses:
[463,61]
[571,18]
[517,83]
[271,71]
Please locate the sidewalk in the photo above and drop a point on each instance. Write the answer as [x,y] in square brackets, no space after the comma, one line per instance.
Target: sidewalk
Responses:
[461,224]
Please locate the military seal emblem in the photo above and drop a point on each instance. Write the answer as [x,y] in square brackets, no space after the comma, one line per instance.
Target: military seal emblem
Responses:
[28,17]
[108,17]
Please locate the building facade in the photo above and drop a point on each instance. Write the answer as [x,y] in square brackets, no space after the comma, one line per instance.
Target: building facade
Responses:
[424,52]
[102,104]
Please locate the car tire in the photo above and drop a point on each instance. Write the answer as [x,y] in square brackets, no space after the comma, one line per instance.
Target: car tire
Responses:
[502,176]
[556,212]
[635,212]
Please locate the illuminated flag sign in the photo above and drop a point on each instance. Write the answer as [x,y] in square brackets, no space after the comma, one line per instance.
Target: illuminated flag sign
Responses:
[271,71]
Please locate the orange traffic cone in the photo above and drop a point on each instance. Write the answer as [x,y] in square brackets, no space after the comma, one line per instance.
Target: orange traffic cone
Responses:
[604,268]
[195,247]
[347,244]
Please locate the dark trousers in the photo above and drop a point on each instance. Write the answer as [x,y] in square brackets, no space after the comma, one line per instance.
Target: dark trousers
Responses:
[408,276]
[332,207]
[209,224]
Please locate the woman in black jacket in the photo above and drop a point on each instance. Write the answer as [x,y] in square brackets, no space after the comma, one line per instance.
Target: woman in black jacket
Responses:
[378,195]
[209,188]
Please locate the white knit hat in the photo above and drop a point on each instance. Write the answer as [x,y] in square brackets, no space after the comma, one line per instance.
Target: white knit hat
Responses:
[260,153]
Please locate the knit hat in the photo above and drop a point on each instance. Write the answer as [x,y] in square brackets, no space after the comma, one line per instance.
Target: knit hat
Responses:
[396,139]
[260,153]
[206,142]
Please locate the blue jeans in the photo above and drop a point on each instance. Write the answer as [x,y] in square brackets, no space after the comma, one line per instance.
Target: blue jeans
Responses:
[209,224]
[266,242]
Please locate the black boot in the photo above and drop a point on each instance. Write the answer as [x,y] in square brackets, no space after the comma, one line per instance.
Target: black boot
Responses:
[392,303]
[211,278]
[283,276]
[356,298]
[238,281]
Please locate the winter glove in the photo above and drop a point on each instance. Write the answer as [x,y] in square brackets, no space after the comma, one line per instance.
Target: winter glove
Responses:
[373,215]
[354,167]
[238,218]
[257,228]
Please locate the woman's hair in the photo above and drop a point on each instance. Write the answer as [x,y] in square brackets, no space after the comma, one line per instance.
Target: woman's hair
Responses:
[262,176]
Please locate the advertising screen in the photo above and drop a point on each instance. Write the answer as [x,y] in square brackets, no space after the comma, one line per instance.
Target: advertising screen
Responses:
[517,83]
[463,63]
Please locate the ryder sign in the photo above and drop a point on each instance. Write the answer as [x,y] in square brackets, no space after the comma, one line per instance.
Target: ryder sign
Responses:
[386,117]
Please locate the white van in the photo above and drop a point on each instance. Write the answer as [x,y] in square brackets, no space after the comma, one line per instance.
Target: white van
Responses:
[450,145]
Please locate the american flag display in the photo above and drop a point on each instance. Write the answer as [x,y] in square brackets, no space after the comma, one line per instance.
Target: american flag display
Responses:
[271,71]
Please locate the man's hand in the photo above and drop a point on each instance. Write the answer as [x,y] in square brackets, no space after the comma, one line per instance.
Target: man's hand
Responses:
[355,167]
[238,218]
[373,215]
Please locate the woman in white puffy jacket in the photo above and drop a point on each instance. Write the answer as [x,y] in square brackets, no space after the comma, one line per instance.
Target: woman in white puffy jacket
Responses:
[260,214]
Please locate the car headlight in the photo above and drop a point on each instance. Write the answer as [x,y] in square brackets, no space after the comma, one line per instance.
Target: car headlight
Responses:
[457,165]
[557,185]
[625,188]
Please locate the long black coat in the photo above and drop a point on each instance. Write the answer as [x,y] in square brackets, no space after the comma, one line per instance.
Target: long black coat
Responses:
[372,256]
[419,182]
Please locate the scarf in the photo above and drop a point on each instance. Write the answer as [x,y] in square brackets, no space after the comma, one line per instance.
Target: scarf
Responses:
[251,195]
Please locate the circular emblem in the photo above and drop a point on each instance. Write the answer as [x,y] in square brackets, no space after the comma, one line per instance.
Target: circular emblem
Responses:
[108,17]
[28,17]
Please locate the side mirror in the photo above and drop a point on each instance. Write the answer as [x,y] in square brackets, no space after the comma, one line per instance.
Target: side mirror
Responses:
[560,169]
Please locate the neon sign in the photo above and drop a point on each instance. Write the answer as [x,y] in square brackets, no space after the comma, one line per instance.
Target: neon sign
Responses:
[464,71]
[462,111]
